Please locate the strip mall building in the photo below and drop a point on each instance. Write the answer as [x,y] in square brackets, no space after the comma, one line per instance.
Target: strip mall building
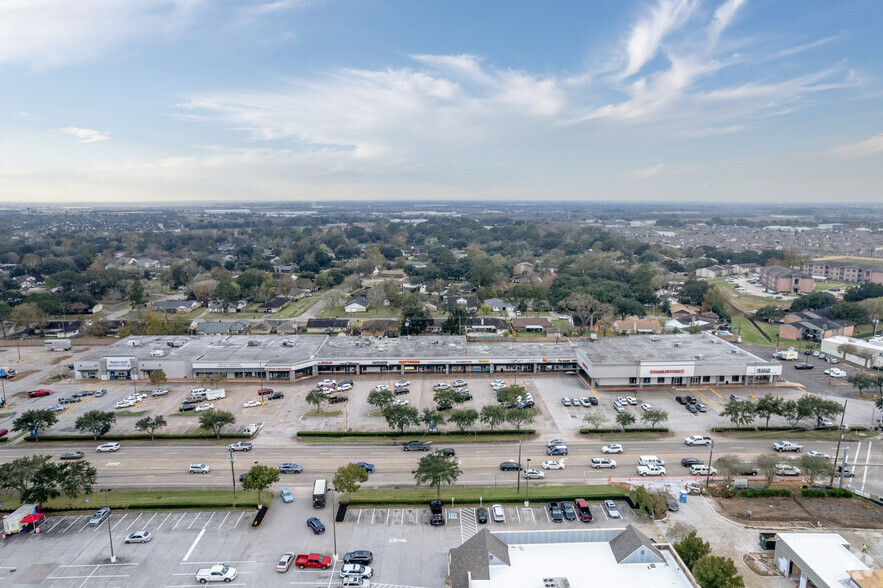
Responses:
[674,360]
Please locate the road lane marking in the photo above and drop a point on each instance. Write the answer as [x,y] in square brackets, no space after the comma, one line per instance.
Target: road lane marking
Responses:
[193,546]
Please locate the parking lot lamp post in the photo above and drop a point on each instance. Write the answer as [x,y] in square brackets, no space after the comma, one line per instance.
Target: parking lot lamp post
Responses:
[526,484]
[3,403]
[710,454]
[517,472]
[334,522]
[876,321]
[232,473]
[839,440]
[113,558]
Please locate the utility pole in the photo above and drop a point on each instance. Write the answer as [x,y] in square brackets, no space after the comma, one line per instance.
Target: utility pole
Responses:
[232,473]
[708,471]
[518,472]
[839,440]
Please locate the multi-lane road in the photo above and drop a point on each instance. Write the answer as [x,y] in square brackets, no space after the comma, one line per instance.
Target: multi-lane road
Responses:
[161,465]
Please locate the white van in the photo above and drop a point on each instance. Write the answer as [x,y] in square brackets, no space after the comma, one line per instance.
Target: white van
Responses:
[650,460]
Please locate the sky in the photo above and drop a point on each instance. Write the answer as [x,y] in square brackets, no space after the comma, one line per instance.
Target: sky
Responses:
[141,101]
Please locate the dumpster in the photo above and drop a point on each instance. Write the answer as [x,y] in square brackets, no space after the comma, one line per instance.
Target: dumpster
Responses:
[768,540]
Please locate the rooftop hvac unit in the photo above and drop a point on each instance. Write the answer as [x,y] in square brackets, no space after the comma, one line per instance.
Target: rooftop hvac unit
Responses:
[654,337]
[678,344]
[158,353]
[699,357]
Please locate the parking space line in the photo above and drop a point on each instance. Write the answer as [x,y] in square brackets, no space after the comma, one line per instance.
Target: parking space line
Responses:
[61,520]
[387,517]
[72,523]
[240,518]
[359,518]
[518,515]
[193,545]
[209,520]
[194,520]
[224,521]
[163,521]
[120,521]
[548,518]
[133,522]
[151,518]
[179,521]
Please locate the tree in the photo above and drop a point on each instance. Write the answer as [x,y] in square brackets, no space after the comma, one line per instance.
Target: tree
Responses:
[769,313]
[457,319]
[215,420]
[434,470]
[625,419]
[813,300]
[447,397]
[728,465]
[95,421]
[34,421]
[814,467]
[793,258]
[712,571]
[794,412]
[260,477]
[400,417]
[158,378]
[819,407]
[766,463]
[349,477]
[654,416]
[866,291]
[493,415]
[693,291]
[464,418]
[380,398]
[717,300]
[692,548]
[226,292]
[740,412]
[77,478]
[415,318]
[151,425]
[508,394]
[586,308]
[33,477]
[594,419]
[767,406]
[28,316]
[861,381]
[431,417]
[850,311]
[316,397]
[518,418]
[136,294]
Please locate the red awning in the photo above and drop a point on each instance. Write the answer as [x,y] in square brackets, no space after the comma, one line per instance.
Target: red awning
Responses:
[32,518]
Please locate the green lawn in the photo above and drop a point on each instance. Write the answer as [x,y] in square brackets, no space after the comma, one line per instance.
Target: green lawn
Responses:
[823,286]
[621,435]
[151,499]
[438,441]
[130,413]
[808,435]
[297,307]
[322,413]
[470,496]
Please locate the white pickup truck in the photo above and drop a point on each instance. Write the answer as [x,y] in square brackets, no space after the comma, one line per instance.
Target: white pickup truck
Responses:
[651,470]
[781,446]
[218,573]
[697,440]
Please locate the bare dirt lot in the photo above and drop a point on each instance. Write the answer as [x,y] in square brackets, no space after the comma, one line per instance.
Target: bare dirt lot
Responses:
[831,512]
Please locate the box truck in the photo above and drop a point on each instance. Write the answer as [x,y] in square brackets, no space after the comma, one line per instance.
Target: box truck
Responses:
[58,345]
[215,394]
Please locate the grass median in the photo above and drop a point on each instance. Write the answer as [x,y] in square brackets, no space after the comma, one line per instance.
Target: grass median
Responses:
[798,435]
[439,441]
[486,495]
[203,499]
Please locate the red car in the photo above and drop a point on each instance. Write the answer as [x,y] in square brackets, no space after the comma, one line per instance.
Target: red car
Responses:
[3,432]
[262,391]
[39,392]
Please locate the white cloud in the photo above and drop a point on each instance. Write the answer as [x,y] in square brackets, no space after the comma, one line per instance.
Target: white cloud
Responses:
[648,34]
[85,135]
[860,149]
[23,115]
[722,18]
[649,172]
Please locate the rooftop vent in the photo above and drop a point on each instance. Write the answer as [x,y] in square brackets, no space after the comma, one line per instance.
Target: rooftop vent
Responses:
[654,337]
[678,344]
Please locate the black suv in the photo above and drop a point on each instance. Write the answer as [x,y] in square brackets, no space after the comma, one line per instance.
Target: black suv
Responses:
[275,396]
[443,407]
[362,556]
[186,407]
[688,461]
[341,383]
[691,399]
[436,513]
[481,515]
[681,399]
[400,391]
[555,512]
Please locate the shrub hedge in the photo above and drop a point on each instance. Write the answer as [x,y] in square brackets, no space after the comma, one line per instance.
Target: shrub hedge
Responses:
[829,493]
[755,429]
[134,437]
[396,434]
[762,492]
[627,430]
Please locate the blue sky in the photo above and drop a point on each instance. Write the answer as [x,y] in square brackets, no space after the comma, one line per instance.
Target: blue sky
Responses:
[669,100]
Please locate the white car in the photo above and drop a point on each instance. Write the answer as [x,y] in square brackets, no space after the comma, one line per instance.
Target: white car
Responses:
[381,388]
[328,383]
[402,383]
[622,400]
[553,465]
[555,442]
[112,446]
[818,454]
[354,570]
[204,407]
[139,537]
[124,403]
[344,387]
[455,383]
[612,448]
[784,469]
[498,514]
[646,406]
[611,509]
[251,429]
[160,392]
[199,468]
[251,403]
[400,402]
[532,474]
[837,373]
[602,462]
[632,400]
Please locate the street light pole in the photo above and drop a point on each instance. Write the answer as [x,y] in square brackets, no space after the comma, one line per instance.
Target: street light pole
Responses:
[334,522]
[708,471]
[232,473]
[517,472]
[839,440]
[3,404]
[113,558]
[526,484]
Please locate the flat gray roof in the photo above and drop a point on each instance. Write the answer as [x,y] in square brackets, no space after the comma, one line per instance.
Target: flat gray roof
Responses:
[620,350]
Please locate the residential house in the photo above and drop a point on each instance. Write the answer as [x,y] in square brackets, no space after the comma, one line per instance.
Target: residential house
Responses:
[470,303]
[394,274]
[356,304]
[274,305]
[226,247]
[62,329]
[746,268]
[498,305]
[714,271]
[487,326]
[785,280]
[29,281]
[813,325]
[637,326]
[533,325]
[283,269]
[174,305]
[113,326]
[380,328]
[327,326]
[523,268]
[234,327]
[435,327]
